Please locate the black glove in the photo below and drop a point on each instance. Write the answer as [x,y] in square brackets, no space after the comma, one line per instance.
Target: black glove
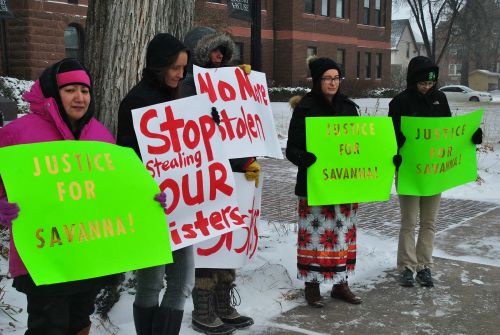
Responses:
[307,159]
[400,139]
[397,160]
[477,137]
[215,115]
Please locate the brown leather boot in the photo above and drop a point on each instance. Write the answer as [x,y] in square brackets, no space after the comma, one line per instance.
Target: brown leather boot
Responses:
[342,291]
[313,295]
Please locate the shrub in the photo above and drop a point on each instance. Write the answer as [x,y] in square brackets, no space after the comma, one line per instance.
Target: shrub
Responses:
[383,92]
[13,88]
[283,94]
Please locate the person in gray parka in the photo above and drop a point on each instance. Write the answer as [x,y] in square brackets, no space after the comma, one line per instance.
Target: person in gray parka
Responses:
[213,311]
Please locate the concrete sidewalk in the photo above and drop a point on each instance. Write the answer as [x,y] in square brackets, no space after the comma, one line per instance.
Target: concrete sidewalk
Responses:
[466,296]
[465,300]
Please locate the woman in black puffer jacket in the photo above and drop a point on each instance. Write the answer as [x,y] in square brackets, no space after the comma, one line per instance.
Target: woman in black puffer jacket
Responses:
[321,259]
[422,99]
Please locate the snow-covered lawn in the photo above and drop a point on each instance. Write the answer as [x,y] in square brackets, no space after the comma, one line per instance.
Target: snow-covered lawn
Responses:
[268,286]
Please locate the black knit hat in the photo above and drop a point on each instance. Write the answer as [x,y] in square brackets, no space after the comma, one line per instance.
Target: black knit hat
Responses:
[421,68]
[160,50]
[318,66]
[65,72]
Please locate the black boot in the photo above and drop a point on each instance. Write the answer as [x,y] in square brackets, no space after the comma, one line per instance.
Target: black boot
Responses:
[204,319]
[227,298]
[143,319]
[167,321]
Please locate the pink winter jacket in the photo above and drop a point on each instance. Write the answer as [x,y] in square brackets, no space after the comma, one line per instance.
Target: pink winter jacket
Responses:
[44,124]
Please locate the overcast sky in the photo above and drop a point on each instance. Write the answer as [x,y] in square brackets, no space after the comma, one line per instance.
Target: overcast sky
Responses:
[404,12]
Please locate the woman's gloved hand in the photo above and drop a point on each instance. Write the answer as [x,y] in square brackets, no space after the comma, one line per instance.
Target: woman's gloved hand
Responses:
[477,137]
[162,199]
[397,160]
[252,172]
[247,68]
[8,211]
[307,159]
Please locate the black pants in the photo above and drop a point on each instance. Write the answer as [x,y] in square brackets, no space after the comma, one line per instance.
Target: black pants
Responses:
[59,314]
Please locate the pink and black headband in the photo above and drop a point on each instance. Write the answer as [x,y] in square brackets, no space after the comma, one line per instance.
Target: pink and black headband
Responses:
[75,77]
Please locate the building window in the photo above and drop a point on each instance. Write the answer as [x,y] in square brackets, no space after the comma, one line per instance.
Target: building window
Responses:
[358,65]
[74,2]
[325,7]
[311,51]
[454,69]
[73,42]
[378,13]
[368,65]
[366,12]
[407,49]
[340,9]
[238,53]
[341,59]
[452,50]
[309,6]
[378,66]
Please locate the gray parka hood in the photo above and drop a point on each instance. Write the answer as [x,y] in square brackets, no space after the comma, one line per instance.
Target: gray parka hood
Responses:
[203,40]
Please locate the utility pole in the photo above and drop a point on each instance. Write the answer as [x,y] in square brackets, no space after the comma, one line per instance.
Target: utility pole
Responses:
[255,43]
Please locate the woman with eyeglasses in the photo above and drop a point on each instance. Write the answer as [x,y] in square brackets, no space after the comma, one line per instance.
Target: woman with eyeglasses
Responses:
[326,249]
[420,99]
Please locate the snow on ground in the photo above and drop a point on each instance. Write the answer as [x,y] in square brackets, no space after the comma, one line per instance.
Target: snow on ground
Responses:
[268,286]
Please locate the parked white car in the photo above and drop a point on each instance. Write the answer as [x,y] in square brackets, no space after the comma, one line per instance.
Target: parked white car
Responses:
[463,93]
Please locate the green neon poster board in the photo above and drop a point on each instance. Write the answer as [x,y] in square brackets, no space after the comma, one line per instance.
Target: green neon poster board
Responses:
[86,210]
[438,153]
[354,159]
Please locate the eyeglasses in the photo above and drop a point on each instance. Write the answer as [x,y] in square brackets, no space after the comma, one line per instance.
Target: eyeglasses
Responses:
[426,83]
[332,80]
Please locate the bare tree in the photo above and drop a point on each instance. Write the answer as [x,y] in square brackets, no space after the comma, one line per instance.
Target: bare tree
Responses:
[475,36]
[428,14]
[117,33]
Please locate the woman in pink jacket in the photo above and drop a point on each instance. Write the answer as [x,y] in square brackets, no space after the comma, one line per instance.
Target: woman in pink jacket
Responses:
[61,109]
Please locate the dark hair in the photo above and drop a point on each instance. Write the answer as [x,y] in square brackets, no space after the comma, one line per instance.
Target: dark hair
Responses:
[158,74]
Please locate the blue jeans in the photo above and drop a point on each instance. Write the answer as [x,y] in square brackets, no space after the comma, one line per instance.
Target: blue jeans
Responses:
[180,282]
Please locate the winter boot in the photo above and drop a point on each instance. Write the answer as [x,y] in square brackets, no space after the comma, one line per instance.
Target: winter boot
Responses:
[227,298]
[143,319]
[406,278]
[313,295]
[343,292]
[204,319]
[424,277]
[167,321]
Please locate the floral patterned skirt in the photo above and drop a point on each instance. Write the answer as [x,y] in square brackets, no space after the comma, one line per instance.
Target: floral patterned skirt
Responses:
[326,249]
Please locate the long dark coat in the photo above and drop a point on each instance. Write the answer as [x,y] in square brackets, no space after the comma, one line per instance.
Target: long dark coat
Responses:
[311,105]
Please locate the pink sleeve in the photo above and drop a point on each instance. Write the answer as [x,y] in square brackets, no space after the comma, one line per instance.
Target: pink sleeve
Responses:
[3,194]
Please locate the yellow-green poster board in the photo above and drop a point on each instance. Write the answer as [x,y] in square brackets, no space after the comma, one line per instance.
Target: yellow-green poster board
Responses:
[86,210]
[354,159]
[438,153]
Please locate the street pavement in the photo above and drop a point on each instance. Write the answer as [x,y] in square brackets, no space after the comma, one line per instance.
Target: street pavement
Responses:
[465,299]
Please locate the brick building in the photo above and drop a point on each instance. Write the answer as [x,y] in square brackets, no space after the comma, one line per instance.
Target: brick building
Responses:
[39,34]
[356,33]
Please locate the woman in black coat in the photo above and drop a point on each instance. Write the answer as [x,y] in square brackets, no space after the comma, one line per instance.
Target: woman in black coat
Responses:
[326,251]
[422,99]
[166,61]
